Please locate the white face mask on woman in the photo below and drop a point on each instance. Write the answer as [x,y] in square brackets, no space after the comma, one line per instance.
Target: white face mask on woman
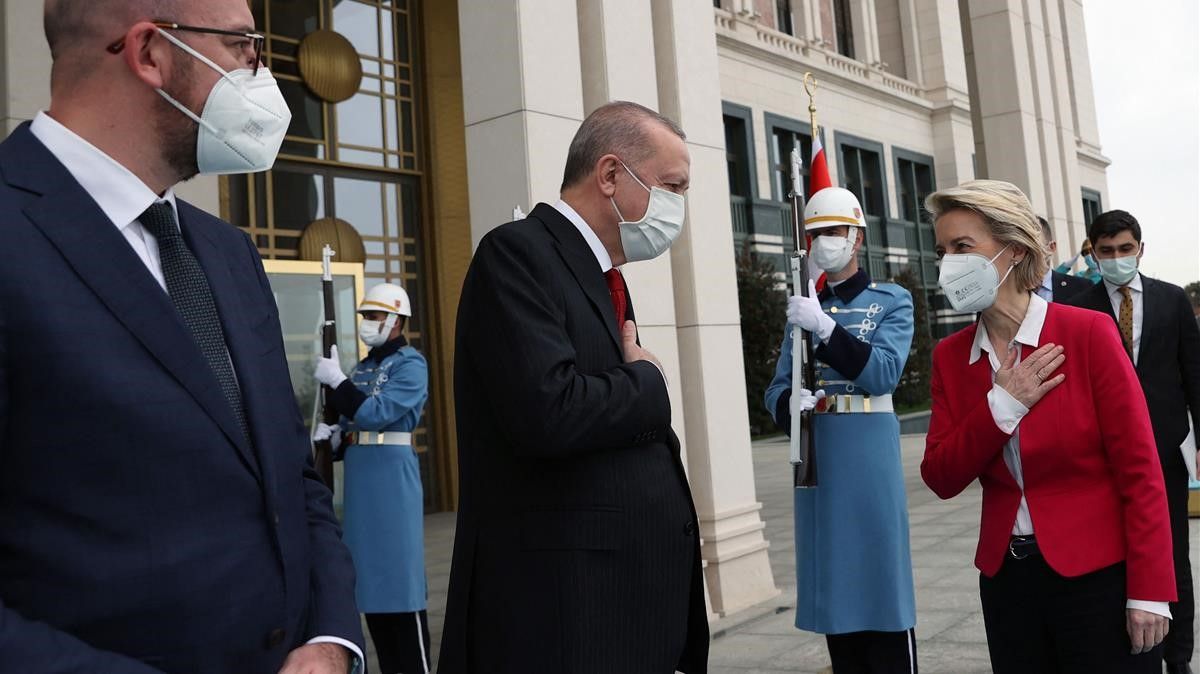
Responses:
[243,121]
[651,236]
[971,281]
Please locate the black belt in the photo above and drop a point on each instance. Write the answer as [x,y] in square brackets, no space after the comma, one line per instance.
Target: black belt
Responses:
[1020,547]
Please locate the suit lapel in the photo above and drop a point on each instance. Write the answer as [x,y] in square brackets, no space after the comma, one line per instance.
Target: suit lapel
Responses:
[1149,310]
[70,219]
[583,265]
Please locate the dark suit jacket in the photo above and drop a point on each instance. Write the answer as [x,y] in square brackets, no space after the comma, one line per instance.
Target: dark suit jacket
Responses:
[1168,359]
[1065,286]
[139,530]
[576,549]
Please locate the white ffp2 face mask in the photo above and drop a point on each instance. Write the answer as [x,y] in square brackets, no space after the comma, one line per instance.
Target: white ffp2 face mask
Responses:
[971,281]
[375,333]
[243,121]
[651,236]
[832,253]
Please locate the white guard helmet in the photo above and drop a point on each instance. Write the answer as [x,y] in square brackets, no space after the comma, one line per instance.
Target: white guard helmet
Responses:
[831,207]
[387,297]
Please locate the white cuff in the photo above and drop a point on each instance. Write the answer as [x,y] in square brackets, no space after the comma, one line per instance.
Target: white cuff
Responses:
[1007,411]
[359,666]
[825,327]
[1161,608]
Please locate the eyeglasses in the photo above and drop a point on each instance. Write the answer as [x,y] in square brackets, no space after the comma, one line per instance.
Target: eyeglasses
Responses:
[256,40]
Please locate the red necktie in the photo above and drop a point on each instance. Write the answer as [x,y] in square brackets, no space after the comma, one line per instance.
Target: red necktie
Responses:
[616,288]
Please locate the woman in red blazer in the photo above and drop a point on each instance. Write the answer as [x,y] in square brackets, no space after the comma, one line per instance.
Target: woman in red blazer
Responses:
[1040,404]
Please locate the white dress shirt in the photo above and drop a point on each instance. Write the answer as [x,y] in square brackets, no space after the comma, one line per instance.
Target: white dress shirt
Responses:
[1114,296]
[1046,290]
[123,197]
[589,235]
[1007,412]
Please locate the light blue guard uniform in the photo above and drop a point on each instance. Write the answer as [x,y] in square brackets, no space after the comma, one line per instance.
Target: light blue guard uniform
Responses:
[384,507]
[853,565]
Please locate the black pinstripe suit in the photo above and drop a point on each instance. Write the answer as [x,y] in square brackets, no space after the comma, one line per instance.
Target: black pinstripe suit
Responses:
[576,548]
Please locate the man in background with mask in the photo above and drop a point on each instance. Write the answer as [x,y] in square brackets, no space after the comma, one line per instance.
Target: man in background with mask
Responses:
[1057,286]
[384,514]
[1161,338]
[577,547]
[854,579]
[159,511]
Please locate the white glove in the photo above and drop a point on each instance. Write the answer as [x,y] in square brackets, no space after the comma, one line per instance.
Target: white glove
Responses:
[808,314]
[329,370]
[804,400]
[332,433]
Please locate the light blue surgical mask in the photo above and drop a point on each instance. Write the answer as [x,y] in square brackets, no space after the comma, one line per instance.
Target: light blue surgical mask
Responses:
[1119,270]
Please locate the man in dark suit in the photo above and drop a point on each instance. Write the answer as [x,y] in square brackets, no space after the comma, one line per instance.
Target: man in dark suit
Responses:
[577,547]
[159,511]
[1058,287]
[1161,336]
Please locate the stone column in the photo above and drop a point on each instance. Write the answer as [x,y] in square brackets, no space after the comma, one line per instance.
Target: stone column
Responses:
[738,572]
[616,50]
[522,102]
[1026,115]
[862,22]
[944,75]
[24,64]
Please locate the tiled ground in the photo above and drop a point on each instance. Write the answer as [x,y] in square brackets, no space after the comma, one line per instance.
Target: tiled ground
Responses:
[761,640]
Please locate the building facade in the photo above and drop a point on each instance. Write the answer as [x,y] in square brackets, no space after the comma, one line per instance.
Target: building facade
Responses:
[425,123]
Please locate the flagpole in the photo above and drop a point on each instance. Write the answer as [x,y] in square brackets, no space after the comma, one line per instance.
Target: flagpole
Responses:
[810,86]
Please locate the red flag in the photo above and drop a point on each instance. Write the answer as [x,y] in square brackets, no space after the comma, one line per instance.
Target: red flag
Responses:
[818,179]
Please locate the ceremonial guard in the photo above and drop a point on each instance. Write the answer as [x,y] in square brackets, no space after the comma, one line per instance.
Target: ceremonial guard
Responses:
[380,404]
[853,566]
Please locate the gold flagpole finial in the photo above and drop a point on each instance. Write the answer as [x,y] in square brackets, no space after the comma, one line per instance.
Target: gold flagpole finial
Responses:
[810,87]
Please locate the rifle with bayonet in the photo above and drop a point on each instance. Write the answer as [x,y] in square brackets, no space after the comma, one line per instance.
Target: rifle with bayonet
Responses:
[804,375]
[323,449]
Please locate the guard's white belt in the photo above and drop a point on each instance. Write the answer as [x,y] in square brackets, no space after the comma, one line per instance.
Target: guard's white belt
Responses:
[851,404]
[385,438]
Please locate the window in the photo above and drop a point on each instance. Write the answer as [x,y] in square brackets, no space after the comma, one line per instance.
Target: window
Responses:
[739,166]
[783,16]
[737,156]
[782,142]
[862,174]
[1091,206]
[914,182]
[717,4]
[843,30]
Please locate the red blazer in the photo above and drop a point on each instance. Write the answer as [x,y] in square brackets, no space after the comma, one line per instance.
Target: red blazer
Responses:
[1092,476]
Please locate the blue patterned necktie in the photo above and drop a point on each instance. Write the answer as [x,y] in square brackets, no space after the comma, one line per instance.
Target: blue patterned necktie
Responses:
[188,287]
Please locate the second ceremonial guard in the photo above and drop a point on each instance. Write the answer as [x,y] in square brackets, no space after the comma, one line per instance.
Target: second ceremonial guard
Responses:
[853,567]
[381,403]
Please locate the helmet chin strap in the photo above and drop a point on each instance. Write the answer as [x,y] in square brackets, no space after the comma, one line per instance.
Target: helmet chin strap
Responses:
[388,324]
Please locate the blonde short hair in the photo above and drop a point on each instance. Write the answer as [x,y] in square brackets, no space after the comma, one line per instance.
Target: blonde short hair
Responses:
[1010,220]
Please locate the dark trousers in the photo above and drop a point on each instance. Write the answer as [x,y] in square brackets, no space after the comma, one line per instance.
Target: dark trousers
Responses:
[1039,622]
[401,642]
[1178,645]
[873,652]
